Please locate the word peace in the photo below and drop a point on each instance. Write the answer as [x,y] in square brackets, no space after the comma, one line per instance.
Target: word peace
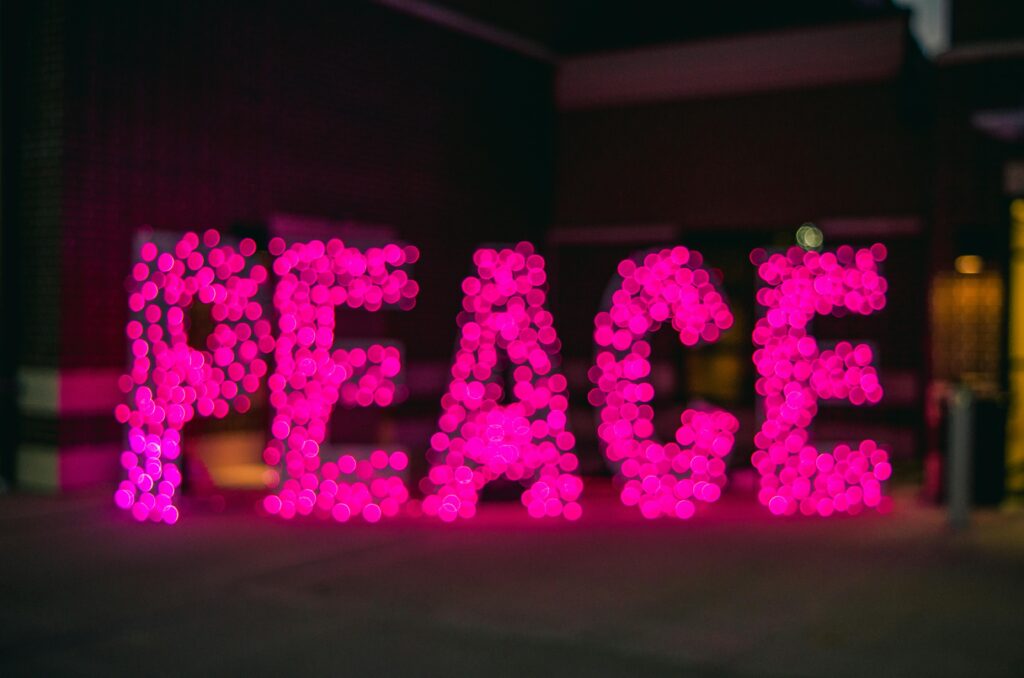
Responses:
[484,433]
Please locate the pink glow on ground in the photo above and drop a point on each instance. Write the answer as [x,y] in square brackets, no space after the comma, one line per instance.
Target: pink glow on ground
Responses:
[661,479]
[481,440]
[311,377]
[170,382]
[793,373]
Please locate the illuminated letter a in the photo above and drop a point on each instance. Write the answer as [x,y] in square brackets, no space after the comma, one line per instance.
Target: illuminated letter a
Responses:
[504,323]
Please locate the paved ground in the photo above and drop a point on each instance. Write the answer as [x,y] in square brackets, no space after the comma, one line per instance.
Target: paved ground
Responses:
[734,592]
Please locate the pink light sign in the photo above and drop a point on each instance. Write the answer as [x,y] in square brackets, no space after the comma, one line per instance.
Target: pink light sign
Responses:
[170,382]
[311,376]
[504,325]
[662,479]
[527,440]
[794,372]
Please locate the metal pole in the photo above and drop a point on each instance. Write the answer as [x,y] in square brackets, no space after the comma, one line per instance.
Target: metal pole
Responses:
[961,443]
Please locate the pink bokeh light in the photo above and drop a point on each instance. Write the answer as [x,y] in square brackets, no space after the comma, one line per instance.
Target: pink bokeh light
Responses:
[169,382]
[312,376]
[793,373]
[662,479]
[479,439]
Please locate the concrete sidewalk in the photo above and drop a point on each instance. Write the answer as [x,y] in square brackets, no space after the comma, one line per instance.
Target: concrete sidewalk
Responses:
[733,592]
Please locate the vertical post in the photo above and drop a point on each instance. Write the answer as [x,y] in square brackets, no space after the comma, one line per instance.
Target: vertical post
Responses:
[961,443]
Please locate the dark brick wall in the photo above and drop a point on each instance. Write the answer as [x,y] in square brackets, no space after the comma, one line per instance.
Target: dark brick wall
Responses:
[747,162]
[34,79]
[197,114]
[194,115]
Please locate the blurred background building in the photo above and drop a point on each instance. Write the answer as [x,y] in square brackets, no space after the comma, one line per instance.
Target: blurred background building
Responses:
[593,129]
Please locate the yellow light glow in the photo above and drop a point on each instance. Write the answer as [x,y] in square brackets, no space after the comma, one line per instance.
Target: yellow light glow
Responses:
[1017,210]
[1015,415]
[969,264]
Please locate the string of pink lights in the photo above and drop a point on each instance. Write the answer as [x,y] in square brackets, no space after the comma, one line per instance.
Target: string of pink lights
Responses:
[794,373]
[170,382]
[481,440]
[662,479]
[310,378]
[504,325]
